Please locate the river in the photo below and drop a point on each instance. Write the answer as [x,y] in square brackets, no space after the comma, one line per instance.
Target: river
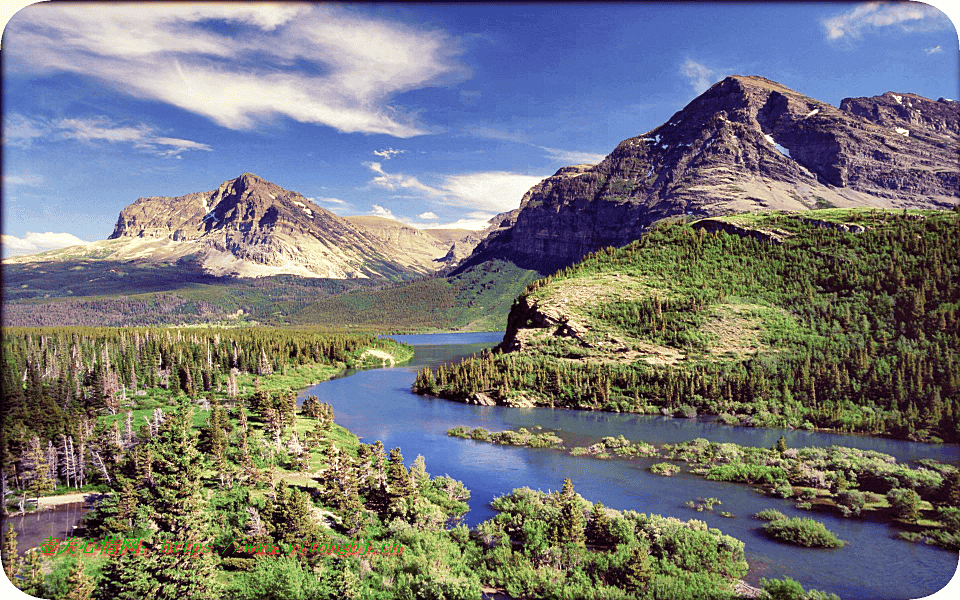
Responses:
[377,404]
[875,564]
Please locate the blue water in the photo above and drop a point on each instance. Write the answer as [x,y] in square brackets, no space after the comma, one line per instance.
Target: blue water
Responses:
[377,404]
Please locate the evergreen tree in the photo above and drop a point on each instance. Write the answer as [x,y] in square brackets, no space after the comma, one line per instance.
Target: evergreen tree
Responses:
[32,571]
[291,520]
[571,525]
[638,571]
[176,503]
[79,584]
[598,527]
[11,559]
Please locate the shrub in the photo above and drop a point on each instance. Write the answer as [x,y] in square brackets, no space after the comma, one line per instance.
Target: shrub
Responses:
[770,514]
[664,468]
[905,503]
[852,500]
[783,490]
[788,589]
[802,532]
[480,434]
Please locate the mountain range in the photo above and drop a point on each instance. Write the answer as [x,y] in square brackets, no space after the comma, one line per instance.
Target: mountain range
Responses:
[249,227]
[747,144]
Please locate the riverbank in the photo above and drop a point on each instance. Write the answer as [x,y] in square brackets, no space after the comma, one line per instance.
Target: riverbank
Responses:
[48,502]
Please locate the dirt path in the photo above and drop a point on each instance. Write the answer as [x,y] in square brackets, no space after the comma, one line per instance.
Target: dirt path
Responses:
[380,354]
[52,501]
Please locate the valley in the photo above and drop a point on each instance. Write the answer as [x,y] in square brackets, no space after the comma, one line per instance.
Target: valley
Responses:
[763,290]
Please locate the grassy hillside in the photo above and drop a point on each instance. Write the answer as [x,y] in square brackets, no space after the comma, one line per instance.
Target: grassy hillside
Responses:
[93,293]
[476,300]
[788,320]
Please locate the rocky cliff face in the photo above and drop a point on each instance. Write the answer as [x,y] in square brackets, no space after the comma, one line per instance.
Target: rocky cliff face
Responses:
[251,227]
[746,144]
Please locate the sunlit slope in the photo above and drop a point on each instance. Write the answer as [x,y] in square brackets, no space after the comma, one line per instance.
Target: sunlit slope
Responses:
[843,318]
[476,300]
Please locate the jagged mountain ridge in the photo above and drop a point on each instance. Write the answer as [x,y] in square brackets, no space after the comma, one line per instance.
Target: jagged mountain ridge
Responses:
[745,144]
[250,227]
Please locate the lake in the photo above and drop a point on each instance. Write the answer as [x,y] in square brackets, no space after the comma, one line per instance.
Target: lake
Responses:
[875,564]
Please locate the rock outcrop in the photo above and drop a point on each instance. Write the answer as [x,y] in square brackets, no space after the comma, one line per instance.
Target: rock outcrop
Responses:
[745,144]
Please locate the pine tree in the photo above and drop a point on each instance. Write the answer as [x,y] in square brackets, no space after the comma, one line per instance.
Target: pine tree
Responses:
[598,527]
[637,572]
[571,525]
[10,558]
[398,478]
[79,584]
[176,503]
[32,571]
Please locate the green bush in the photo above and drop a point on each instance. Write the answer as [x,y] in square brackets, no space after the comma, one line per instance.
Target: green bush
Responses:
[664,468]
[770,514]
[851,500]
[802,532]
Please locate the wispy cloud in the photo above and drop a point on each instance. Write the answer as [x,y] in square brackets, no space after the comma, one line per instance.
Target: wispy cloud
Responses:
[32,243]
[21,131]
[571,157]
[698,75]
[388,153]
[471,224]
[934,50]
[242,63]
[469,97]
[25,179]
[566,157]
[428,216]
[398,181]
[493,191]
[908,16]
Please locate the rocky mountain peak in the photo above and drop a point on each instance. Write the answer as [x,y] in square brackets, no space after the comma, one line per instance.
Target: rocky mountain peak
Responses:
[746,144]
[249,226]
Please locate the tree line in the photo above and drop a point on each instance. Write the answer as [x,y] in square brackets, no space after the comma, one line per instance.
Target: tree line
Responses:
[856,332]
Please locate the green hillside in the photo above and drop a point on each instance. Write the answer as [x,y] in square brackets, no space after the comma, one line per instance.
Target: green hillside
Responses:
[476,300]
[93,293]
[781,320]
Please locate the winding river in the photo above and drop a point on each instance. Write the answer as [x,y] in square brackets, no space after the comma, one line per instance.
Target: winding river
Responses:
[875,564]
[377,404]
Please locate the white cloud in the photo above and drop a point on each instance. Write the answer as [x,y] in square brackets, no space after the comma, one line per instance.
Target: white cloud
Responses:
[492,191]
[398,181]
[567,157]
[37,242]
[326,200]
[428,216]
[699,75]
[27,179]
[314,63]
[471,224]
[496,191]
[908,16]
[380,211]
[573,157]
[388,153]
[21,131]
[934,50]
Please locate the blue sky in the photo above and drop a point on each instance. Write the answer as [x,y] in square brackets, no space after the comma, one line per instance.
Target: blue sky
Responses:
[431,114]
